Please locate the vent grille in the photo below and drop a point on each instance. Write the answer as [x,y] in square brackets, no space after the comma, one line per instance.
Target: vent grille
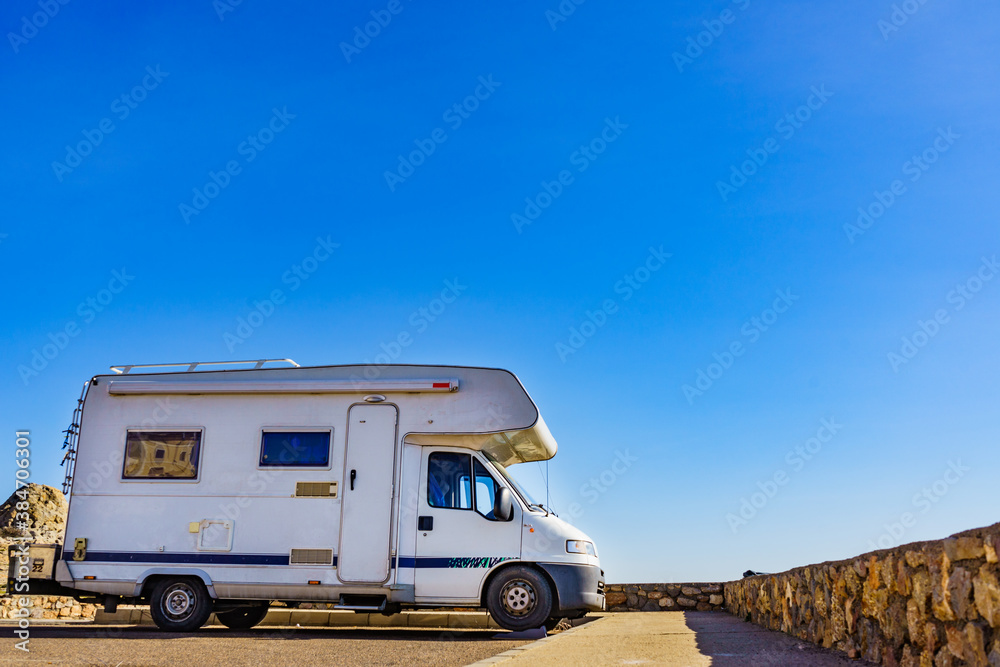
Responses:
[316,489]
[311,557]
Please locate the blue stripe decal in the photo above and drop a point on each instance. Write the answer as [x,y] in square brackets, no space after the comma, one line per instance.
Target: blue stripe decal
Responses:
[461,562]
[163,557]
[402,562]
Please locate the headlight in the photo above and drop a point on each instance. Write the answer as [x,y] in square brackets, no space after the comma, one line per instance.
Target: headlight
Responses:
[581,547]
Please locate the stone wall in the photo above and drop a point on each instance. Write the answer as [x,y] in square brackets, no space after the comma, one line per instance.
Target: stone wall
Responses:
[927,603]
[664,597]
[53,608]
[46,508]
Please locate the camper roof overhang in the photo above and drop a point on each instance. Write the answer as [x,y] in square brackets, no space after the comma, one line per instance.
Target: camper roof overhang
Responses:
[507,447]
[484,409]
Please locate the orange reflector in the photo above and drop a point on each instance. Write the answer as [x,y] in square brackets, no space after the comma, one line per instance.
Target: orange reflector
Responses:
[314,583]
[90,577]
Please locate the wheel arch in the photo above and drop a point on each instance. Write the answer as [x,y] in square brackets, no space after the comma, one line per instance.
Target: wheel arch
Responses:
[145,582]
[496,571]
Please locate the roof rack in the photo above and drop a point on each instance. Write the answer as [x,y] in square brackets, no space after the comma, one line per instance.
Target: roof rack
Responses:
[124,369]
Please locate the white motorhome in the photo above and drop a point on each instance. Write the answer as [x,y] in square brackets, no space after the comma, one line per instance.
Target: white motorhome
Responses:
[376,488]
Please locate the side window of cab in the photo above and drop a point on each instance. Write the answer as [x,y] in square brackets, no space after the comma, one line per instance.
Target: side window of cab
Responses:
[486,492]
[460,482]
[448,475]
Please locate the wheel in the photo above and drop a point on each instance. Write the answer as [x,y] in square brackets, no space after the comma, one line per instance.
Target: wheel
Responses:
[180,605]
[519,598]
[243,618]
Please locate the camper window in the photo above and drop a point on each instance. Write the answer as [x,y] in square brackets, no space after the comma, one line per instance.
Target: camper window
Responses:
[161,454]
[448,476]
[295,449]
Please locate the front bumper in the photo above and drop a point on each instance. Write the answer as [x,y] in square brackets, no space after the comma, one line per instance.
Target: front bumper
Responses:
[578,587]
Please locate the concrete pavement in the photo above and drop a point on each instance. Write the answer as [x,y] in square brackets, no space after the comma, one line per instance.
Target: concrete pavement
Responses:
[688,639]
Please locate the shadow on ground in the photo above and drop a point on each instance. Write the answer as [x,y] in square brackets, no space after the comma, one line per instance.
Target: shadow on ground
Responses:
[730,642]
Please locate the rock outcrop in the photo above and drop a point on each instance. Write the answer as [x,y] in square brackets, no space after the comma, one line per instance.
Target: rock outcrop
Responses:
[45,523]
[46,509]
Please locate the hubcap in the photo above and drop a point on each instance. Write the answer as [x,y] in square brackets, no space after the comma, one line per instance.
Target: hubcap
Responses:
[179,601]
[518,597]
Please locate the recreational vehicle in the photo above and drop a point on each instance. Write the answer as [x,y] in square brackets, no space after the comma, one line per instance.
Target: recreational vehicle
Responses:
[375,488]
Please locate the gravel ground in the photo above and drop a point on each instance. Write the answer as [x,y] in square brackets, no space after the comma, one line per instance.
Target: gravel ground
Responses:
[129,646]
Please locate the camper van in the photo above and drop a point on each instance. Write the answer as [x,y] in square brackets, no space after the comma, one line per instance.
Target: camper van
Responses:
[374,488]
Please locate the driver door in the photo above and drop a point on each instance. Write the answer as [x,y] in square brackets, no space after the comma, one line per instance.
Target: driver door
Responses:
[458,539]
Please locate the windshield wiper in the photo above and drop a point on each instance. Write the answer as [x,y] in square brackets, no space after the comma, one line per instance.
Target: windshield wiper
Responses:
[544,509]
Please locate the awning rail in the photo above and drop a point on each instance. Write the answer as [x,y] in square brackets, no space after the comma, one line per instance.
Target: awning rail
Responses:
[123,387]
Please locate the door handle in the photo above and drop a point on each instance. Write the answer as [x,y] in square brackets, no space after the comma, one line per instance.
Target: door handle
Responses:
[354,475]
[425,523]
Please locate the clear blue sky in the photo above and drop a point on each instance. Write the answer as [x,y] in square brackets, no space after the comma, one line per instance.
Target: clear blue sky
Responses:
[622,146]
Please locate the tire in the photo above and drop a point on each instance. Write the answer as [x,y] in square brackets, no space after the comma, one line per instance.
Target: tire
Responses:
[519,598]
[243,618]
[180,605]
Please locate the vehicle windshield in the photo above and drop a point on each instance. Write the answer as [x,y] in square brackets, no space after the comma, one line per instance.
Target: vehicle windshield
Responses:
[518,489]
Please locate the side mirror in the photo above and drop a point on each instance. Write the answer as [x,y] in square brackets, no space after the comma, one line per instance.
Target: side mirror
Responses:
[503,505]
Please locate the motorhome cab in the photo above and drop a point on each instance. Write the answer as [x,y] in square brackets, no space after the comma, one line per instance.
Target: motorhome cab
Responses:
[375,488]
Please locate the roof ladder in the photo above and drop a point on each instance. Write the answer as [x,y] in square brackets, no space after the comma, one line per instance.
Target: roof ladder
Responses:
[72,440]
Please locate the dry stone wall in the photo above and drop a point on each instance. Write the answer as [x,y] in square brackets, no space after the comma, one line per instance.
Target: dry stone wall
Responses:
[664,597]
[922,604]
[46,509]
